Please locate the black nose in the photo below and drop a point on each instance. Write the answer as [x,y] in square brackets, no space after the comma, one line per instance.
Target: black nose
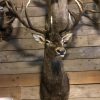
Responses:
[60,51]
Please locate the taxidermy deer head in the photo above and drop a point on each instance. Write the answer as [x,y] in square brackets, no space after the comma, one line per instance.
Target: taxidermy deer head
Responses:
[6,20]
[53,40]
[54,83]
[49,37]
[56,43]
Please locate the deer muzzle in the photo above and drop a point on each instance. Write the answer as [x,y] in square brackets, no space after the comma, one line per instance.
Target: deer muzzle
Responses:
[60,51]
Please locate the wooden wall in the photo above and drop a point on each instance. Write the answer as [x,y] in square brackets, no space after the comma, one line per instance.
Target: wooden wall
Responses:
[21,58]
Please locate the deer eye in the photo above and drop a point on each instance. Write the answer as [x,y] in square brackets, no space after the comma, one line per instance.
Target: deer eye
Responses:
[47,41]
[65,42]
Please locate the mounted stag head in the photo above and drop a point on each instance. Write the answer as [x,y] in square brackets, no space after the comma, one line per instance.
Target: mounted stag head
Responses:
[57,37]
[6,20]
[55,40]
[54,84]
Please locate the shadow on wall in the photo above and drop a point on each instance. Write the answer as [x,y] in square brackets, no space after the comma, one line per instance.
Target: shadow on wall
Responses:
[26,55]
[32,56]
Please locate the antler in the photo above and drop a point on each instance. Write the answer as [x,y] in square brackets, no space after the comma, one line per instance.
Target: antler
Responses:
[73,17]
[81,10]
[80,5]
[8,17]
[27,24]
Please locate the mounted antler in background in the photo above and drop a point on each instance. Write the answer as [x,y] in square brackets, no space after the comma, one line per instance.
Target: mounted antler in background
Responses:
[6,20]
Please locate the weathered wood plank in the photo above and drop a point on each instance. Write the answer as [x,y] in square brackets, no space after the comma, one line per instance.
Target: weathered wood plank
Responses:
[22,55]
[75,99]
[13,92]
[19,80]
[41,2]
[41,9]
[76,91]
[32,3]
[89,77]
[35,66]
[36,21]
[85,26]
[34,11]
[20,44]
[29,91]
[24,33]
[35,55]
[26,41]
[32,55]
[40,20]
[83,53]
[85,99]
[83,29]
[19,67]
[82,64]
[85,91]
[94,40]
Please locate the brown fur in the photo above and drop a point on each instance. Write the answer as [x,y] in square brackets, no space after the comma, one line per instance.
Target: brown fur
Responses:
[54,82]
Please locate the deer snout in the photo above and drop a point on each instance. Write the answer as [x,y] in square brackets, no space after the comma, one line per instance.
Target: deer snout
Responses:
[61,51]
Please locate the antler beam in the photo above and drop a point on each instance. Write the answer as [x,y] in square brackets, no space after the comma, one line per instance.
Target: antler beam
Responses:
[28,24]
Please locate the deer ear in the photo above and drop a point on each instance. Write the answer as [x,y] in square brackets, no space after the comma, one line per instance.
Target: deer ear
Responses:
[67,37]
[40,39]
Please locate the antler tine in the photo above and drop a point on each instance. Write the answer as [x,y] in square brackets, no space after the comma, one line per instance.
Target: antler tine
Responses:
[12,9]
[80,5]
[92,11]
[10,21]
[27,24]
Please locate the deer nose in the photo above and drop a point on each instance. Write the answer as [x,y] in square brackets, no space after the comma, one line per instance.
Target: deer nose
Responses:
[61,51]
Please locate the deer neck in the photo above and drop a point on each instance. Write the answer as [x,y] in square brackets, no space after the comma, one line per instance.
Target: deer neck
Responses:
[53,66]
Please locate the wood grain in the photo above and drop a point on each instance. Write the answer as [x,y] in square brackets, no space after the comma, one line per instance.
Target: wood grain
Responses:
[76,91]
[85,99]
[39,8]
[29,93]
[21,58]
[24,33]
[32,55]
[33,80]
[41,2]
[75,99]
[34,11]
[38,22]
[13,92]
[22,44]
[35,66]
